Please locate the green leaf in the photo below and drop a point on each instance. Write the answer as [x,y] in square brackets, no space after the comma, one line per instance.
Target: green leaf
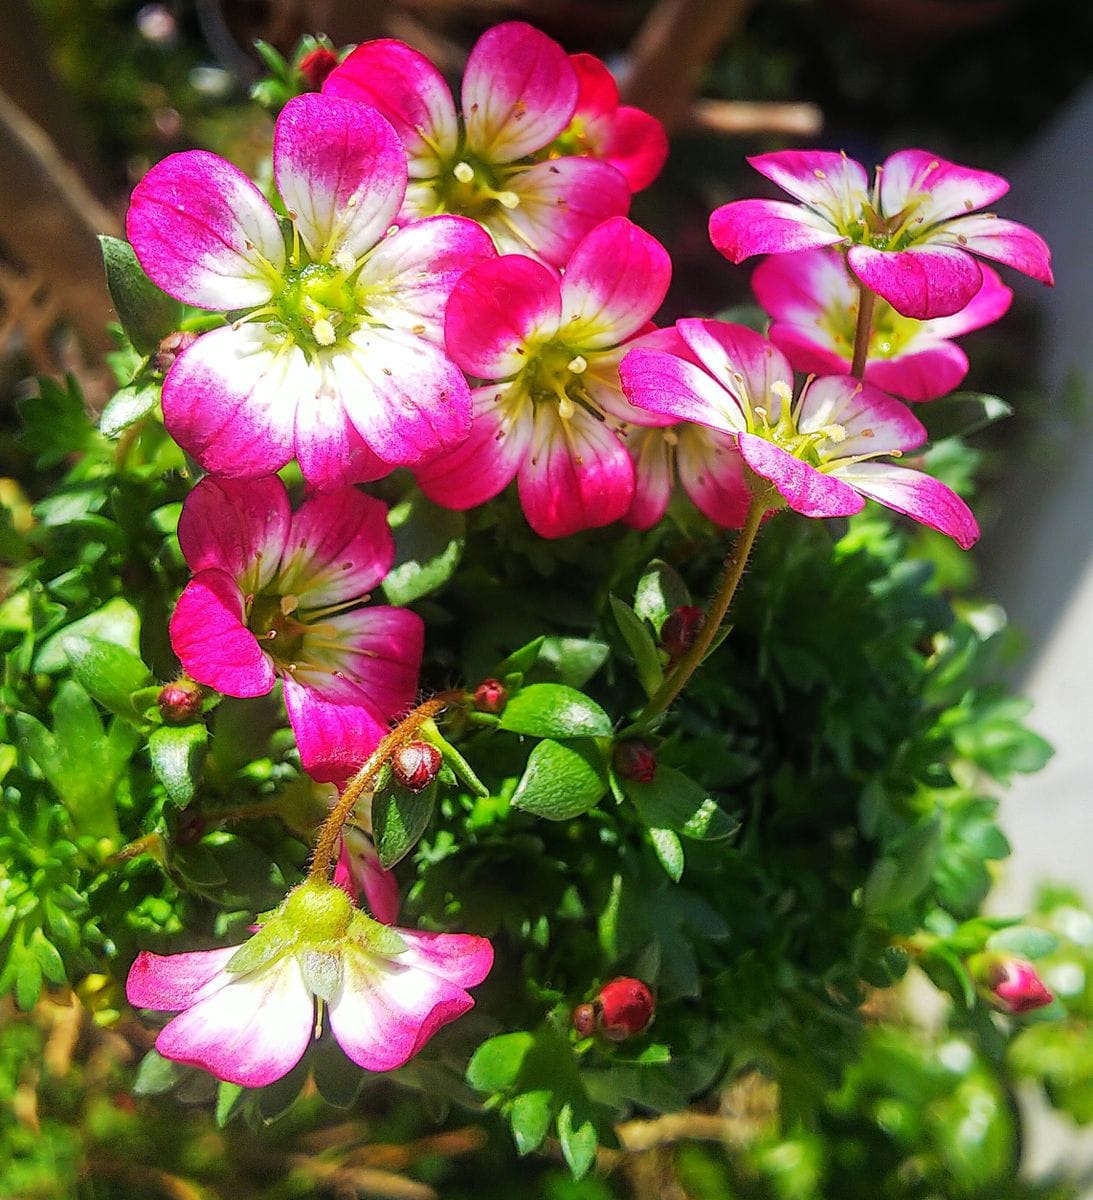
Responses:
[28,981]
[230,1098]
[399,817]
[561,780]
[529,1117]
[568,660]
[117,622]
[577,1133]
[128,406]
[660,591]
[962,414]
[178,756]
[55,423]
[338,1079]
[669,852]
[519,661]
[496,1064]
[146,314]
[157,1075]
[901,875]
[640,642]
[109,672]
[673,801]
[553,710]
[1024,940]
[49,958]
[462,769]
[428,546]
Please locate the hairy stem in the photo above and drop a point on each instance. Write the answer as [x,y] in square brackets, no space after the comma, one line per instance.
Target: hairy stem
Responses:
[866,303]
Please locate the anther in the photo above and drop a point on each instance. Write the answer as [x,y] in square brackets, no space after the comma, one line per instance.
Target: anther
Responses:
[508,200]
[566,408]
[324,332]
[464,172]
[578,365]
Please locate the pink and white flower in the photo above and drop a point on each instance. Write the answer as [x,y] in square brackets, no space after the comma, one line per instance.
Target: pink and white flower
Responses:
[910,238]
[818,452]
[519,94]
[551,412]
[334,352]
[281,594]
[814,302]
[630,139]
[247,1013]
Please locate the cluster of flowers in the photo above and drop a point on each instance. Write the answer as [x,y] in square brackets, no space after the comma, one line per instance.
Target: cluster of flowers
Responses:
[458,291]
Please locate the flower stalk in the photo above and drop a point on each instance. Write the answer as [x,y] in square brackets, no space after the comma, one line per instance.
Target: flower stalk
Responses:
[866,303]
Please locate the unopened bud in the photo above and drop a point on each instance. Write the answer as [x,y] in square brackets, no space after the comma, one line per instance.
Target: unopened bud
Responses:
[170,348]
[415,765]
[316,66]
[680,628]
[180,702]
[1013,984]
[635,760]
[490,696]
[584,1020]
[624,1008]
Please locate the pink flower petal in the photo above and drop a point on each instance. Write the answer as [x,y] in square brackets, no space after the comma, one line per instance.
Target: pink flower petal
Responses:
[871,421]
[746,227]
[486,463]
[519,92]
[165,982]
[801,287]
[577,474]
[329,449]
[238,526]
[340,548]
[922,282]
[1001,241]
[497,311]
[459,958]
[251,1031]
[918,496]
[405,283]
[805,490]
[597,91]
[711,472]
[809,350]
[600,382]
[652,477]
[937,187]
[333,739]
[614,283]
[827,181]
[407,399]
[559,202]
[637,146]
[359,873]
[205,234]
[230,400]
[929,372]
[410,92]
[212,642]
[341,172]
[664,383]
[987,305]
[742,361]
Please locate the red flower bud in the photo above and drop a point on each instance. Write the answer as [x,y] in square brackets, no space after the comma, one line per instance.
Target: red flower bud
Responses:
[624,1007]
[180,702]
[316,66]
[415,765]
[1016,986]
[490,696]
[635,760]
[170,348]
[584,1020]
[680,628]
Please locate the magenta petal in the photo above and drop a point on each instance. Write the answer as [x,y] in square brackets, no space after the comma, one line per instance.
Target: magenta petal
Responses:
[457,957]
[808,351]
[498,308]
[1001,241]
[742,361]
[614,283]
[664,383]
[804,489]
[329,449]
[637,145]
[577,474]
[341,172]
[230,400]
[918,496]
[334,740]
[929,372]
[172,981]
[711,472]
[359,872]
[560,200]
[405,283]
[988,304]
[519,92]
[213,644]
[340,548]
[251,1031]
[746,227]
[407,399]
[922,282]
[410,92]
[938,188]
[868,420]
[237,525]
[204,233]
[598,93]
[487,461]
[825,180]
[802,287]
[652,477]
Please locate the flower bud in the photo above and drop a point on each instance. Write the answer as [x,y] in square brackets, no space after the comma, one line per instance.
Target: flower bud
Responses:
[680,628]
[584,1020]
[624,1008]
[635,760]
[180,702]
[490,696]
[316,66]
[1015,985]
[415,765]
[170,348]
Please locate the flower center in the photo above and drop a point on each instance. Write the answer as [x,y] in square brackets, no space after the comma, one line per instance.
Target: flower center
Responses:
[890,336]
[471,188]
[555,374]
[317,306]
[273,623]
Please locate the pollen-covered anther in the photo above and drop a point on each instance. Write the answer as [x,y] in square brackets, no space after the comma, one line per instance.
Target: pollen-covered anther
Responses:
[834,433]
[508,200]
[344,260]
[782,390]
[566,408]
[463,171]
[578,364]
[324,333]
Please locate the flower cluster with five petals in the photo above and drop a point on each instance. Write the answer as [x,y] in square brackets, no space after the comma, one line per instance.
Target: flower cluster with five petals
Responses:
[277,593]
[910,239]
[819,451]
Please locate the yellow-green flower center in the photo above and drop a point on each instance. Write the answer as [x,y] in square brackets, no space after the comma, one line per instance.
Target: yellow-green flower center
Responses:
[318,304]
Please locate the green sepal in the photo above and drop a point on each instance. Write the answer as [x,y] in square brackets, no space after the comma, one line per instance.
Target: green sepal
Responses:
[146,314]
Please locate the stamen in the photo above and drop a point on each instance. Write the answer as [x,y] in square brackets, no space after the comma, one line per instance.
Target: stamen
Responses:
[288,605]
[323,332]
[578,365]
[566,407]
[464,172]
[508,200]
[344,260]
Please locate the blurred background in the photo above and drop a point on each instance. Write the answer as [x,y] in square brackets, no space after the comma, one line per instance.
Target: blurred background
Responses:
[92,92]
